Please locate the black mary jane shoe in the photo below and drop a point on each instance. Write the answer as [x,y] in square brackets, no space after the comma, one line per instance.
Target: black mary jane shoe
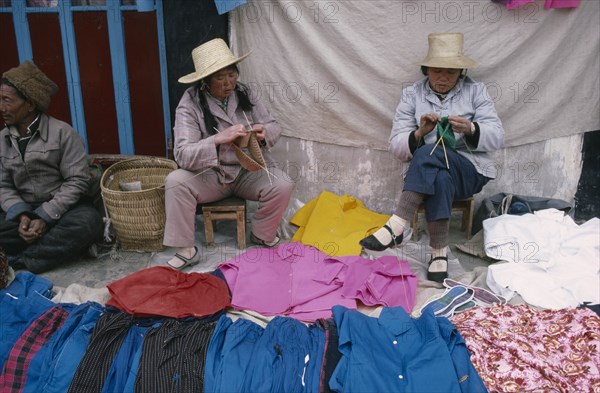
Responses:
[371,242]
[437,276]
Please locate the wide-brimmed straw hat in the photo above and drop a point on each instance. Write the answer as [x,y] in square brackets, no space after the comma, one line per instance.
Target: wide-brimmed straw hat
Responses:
[209,58]
[446,51]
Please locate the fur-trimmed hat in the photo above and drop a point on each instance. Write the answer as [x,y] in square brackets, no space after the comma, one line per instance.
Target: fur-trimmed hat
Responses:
[32,83]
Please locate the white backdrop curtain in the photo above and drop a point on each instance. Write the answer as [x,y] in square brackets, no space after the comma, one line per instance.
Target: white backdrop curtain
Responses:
[333,71]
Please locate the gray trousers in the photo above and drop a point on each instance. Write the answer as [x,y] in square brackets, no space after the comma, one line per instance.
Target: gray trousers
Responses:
[184,190]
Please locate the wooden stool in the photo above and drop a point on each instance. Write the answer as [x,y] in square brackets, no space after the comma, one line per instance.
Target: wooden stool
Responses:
[232,208]
[466,206]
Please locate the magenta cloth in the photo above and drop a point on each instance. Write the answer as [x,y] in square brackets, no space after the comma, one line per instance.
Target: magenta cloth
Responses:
[302,282]
[163,291]
[561,3]
[512,4]
[385,281]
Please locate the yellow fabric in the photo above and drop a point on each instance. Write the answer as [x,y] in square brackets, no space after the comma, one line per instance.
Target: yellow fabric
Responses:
[335,224]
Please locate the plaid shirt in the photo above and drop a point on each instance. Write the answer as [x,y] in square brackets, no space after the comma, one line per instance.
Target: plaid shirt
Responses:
[37,334]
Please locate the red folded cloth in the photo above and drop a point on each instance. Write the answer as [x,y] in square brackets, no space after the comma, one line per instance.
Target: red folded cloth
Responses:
[162,291]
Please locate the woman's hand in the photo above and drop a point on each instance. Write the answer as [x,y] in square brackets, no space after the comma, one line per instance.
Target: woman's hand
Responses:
[427,124]
[260,131]
[460,125]
[230,134]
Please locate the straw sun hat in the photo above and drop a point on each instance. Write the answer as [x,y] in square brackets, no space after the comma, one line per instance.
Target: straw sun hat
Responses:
[446,51]
[209,58]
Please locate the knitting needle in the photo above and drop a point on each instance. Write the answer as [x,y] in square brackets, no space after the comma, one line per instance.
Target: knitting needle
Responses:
[249,130]
[437,143]
[441,136]
[262,167]
[445,155]
[247,121]
[269,174]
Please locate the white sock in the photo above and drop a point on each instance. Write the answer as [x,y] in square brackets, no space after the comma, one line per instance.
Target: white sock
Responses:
[396,223]
[440,265]
[273,242]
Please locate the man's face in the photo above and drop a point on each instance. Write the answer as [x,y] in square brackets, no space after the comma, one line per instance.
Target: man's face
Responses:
[13,108]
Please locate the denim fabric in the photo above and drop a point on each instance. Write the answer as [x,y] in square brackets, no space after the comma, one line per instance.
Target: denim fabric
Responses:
[135,362]
[76,230]
[22,302]
[125,361]
[26,284]
[75,338]
[282,355]
[427,174]
[214,354]
[392,353]
[313,364]
[231,365]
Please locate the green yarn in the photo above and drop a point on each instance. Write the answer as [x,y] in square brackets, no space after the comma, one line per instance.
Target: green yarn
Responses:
[444,130]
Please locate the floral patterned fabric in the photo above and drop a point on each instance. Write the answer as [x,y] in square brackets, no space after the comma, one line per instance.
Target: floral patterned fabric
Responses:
[518,349]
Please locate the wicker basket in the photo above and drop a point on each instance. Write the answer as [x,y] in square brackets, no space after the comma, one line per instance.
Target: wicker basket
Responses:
[138,217]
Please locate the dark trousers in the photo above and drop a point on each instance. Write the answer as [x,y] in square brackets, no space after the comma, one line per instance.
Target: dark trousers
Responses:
[428,174]
[76,230]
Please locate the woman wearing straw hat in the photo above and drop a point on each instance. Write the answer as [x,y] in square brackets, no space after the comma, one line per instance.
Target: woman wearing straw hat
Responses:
[44,177]
[213,122]
[452,163]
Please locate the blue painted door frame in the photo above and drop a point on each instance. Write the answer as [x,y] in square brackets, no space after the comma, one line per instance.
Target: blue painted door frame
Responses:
[114,9]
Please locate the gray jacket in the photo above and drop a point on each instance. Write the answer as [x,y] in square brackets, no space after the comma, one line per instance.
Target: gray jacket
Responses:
[194,147]
[468,99]
[51,179]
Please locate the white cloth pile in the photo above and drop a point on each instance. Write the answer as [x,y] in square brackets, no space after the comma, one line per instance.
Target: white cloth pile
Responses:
[550,260]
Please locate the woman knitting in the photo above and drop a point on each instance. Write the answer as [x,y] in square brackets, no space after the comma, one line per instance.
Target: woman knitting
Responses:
[214,116]
[446,125]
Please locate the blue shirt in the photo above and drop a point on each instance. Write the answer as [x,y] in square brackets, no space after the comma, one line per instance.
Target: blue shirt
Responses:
[392,353]
[468,378]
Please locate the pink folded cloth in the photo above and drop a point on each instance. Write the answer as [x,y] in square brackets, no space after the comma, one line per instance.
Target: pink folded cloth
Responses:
[561,3]
[512,4]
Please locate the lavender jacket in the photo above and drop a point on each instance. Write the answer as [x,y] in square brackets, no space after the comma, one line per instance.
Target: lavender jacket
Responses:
[195,149]
[468,99]
[52,177]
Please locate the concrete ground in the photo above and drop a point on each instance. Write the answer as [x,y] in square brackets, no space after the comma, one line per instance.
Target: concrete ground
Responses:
[110,266]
